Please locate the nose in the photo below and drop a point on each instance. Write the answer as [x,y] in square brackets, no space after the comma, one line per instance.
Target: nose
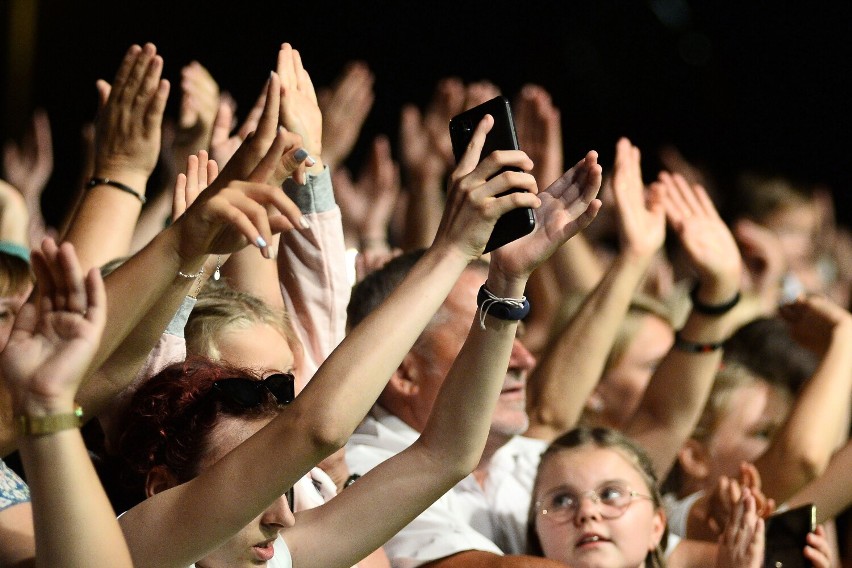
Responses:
[587,508]
[521,358]
[278,515]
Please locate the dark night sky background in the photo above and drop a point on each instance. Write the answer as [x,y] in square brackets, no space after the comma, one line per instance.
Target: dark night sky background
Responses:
[733,84]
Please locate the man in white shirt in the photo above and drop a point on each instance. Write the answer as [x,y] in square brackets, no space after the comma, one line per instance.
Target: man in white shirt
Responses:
[483,517]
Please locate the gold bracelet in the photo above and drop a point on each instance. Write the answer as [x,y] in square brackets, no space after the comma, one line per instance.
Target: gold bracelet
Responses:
[44,425]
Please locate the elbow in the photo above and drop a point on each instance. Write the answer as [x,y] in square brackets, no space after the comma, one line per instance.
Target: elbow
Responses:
[327,433]
[811,465]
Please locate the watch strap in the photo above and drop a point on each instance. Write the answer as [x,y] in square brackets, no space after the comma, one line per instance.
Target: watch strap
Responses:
[44,425]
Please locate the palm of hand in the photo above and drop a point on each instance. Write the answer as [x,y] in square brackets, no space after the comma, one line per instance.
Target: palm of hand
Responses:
[301,114]
[710,246]
[50,361]
[557,220]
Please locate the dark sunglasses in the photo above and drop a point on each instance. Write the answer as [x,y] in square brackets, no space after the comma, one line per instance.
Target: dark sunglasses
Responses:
[248,392]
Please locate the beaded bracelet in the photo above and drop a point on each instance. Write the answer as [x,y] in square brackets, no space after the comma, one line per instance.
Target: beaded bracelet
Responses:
[509,309]
[116,184]
[693,347]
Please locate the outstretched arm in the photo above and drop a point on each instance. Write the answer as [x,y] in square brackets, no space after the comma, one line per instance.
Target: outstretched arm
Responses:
[127,143]
[575,362]
[686,373]
[51,345]
[802,448]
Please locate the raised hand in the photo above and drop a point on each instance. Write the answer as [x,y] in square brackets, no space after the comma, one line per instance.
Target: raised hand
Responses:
[817,550]
[641,219]
[300,112]
[816,321]
[764,261]
[567,207]
[539,126]
[472,203]
[223,144]
[709,244]
[199,107]
[368,204]
[128,128]
[54,340]
[742,543]
[28,165]
[447,101]
[345,107]
[200,172]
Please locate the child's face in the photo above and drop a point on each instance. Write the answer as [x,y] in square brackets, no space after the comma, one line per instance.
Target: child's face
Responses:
[753,415]
[594,535]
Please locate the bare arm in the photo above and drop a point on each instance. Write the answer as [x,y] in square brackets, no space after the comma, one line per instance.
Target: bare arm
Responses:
[660,426]
[831,492]
[49,349]
[127,143]
[575,363]
[801,450]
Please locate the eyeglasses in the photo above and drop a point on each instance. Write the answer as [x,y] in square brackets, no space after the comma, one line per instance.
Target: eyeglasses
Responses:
[248,392]
[612,500]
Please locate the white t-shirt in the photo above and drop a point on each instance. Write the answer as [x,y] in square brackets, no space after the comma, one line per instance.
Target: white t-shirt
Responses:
[468,517]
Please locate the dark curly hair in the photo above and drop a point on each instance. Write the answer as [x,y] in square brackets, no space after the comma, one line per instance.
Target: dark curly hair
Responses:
[601,438]
[169,418]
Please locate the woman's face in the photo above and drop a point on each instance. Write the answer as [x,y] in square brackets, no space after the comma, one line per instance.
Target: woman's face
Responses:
[753,414]
[253,545]
[587,539]
[620,390]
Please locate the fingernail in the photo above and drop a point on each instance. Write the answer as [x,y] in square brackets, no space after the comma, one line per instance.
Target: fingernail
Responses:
[301,155]
[310,161]
[303,221]
[260,242]
[271,73]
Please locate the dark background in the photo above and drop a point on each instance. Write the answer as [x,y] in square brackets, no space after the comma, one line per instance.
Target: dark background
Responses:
[733,84]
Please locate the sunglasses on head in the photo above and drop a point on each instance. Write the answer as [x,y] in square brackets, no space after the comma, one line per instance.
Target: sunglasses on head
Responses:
[249,392]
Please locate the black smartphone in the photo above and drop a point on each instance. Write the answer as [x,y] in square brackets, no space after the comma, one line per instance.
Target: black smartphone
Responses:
[785,538]
[517,222]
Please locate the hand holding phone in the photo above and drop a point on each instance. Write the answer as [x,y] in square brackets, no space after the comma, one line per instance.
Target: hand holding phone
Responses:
[786,537]
[517,222]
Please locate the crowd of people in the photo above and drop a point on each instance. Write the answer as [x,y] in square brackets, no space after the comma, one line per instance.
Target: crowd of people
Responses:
[266,360]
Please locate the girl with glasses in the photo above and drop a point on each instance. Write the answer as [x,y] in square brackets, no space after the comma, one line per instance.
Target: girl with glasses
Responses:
[596,503]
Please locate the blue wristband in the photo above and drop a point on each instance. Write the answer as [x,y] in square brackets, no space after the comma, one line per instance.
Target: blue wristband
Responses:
[509,309]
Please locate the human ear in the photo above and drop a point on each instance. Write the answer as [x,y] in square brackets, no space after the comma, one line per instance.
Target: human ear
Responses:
[658,527]
[405,380]
[694,460]
[159,479]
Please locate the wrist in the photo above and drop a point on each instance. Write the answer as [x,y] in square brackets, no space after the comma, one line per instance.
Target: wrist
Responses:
[131,178]
[505,286]
[30,425]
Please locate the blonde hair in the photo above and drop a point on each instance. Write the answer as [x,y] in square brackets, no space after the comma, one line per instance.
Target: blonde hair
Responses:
[220,308]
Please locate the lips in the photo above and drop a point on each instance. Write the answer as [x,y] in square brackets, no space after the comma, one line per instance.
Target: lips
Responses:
[590,539]
[264,550]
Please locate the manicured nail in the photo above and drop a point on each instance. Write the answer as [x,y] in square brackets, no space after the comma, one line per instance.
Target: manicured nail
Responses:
[303,221]
[301,155]
[260,242]
[310,161]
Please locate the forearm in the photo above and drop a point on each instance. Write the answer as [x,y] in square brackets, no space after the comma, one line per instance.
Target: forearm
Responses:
[103,225]
[312,270]
[577,266]
[662,427]
[17,540]
[423,212]
[575,363]
[141,285]
[802,449]
[74,522]
[831,492]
